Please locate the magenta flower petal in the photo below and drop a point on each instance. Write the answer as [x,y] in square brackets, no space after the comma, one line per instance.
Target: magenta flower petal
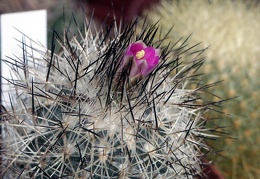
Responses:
[153,64]
[145,59]
[135,47]
[142,67]
[149,54]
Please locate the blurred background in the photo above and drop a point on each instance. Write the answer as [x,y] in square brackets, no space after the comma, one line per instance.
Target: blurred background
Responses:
[230,29]
[103,10]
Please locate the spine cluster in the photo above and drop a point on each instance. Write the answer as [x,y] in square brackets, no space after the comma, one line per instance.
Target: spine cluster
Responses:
[75,113]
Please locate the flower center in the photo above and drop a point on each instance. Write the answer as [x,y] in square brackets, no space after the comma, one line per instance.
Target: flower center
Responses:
[140,54]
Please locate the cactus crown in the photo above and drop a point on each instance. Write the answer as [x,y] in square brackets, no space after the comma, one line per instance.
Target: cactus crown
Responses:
[76,113]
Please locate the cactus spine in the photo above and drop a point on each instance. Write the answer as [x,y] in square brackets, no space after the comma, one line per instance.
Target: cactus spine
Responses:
[72,115]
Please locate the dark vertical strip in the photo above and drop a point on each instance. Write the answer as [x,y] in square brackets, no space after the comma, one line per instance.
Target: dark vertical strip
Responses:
[0,65]
[1,109]
[52,54]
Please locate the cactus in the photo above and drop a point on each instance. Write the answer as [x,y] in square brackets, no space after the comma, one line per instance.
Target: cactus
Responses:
[77,113]
[230,29]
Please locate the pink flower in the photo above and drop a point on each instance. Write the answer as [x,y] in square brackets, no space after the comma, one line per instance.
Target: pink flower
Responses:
[144,59]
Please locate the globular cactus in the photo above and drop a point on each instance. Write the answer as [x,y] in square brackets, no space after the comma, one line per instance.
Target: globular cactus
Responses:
[84,112]
[230,29]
